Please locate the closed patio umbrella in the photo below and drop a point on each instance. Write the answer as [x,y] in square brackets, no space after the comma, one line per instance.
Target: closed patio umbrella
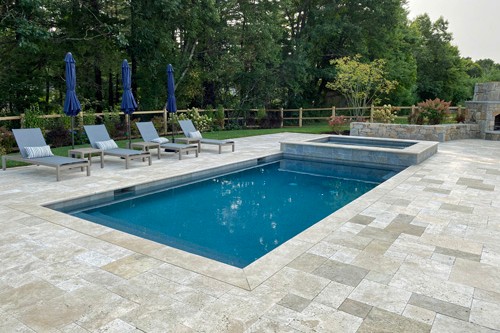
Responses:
[71,104]
[171,103]
[129,104]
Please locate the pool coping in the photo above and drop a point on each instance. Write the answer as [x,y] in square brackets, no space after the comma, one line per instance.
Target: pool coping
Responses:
[247,278]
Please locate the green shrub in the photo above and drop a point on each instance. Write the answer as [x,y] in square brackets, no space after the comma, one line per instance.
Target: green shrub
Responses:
[33,118]
[219,116]
[7,141]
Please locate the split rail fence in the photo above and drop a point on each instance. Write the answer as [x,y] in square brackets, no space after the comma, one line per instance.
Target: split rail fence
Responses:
[287,117]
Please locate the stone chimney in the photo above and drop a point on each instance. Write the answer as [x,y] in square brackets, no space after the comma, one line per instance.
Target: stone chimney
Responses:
[484,109]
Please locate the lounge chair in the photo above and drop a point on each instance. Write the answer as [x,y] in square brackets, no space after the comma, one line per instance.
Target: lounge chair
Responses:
[153,140]
[100,139]
[193,135]
[34,150]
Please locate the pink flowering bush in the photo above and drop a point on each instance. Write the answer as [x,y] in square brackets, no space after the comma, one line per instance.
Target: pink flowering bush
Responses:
[337,123]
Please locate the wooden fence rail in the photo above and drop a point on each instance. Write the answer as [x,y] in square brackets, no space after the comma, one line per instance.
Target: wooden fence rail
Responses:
[288,117]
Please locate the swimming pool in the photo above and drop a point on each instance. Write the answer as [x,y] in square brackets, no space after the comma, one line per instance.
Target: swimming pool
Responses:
[237,218]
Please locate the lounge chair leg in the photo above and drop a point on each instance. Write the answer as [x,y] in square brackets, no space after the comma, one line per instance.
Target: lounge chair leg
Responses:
[220,149]
[88,170]
[233,147]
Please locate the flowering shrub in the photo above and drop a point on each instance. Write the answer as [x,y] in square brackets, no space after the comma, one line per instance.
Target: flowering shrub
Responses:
[203,123]
[385,114]
[337,123]
[432,111]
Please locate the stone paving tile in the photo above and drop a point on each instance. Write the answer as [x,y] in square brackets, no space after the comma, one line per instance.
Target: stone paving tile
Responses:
[320,318]
[307,262]
[292,280]
[486,314]
[401,227]
[457,253]
[376,233]
[437,190]
[131,266]
[334,294]
[419,314]
[15,300]
[355,308]
[294,302]
[432,181]
[429,303]
[362,219]
[119,325]
[382,296]
[444,323]
[475,274]
[342,273]
[457,208]
[412,278]
[57,312]
[267,325]
[379,320]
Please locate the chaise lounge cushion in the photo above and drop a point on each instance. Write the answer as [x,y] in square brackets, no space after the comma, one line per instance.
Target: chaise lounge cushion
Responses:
[37,152]
[160,140]
[195,135]
[106,145]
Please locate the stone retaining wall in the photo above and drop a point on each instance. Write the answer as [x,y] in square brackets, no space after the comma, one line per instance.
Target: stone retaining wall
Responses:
[439,133]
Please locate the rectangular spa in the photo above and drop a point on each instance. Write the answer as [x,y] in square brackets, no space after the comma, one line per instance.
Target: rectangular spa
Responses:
[366,151]
[234,217]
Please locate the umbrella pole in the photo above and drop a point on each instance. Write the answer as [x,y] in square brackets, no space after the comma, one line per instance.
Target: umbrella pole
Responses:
[172,121]
[72,132]
[128,132]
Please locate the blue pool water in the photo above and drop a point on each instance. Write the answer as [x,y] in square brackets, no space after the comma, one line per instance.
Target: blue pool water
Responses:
[237,218]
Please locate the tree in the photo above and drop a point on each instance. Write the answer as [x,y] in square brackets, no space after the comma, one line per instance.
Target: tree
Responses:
[360,83]
[440,70]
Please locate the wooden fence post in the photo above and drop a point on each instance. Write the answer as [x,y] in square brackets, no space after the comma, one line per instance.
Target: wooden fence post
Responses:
[372,108]
[300,117]
[333,111]
[22,120]
[281,117]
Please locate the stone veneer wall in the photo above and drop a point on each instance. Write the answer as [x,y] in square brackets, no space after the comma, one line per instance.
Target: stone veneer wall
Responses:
[439,133]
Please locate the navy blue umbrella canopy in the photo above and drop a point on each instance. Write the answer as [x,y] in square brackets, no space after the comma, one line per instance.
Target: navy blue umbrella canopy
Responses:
[171,103]
[129,104]
[71,104]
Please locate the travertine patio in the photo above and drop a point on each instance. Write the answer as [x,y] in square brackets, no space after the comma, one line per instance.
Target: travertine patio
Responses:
[420,253]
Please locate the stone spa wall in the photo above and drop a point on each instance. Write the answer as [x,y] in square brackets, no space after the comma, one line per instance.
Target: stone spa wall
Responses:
[438,133]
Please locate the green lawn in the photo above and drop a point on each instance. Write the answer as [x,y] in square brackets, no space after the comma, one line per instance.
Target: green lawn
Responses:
[220,135]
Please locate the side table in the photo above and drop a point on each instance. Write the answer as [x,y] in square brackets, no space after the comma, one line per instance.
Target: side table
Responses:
[146,146]
[82,152]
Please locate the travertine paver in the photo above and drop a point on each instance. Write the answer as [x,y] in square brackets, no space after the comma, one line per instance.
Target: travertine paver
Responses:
[420,253]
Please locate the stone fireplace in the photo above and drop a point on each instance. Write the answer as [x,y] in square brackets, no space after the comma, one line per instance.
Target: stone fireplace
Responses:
[484,109]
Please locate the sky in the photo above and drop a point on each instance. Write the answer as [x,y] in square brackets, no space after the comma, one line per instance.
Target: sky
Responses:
[474,24]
